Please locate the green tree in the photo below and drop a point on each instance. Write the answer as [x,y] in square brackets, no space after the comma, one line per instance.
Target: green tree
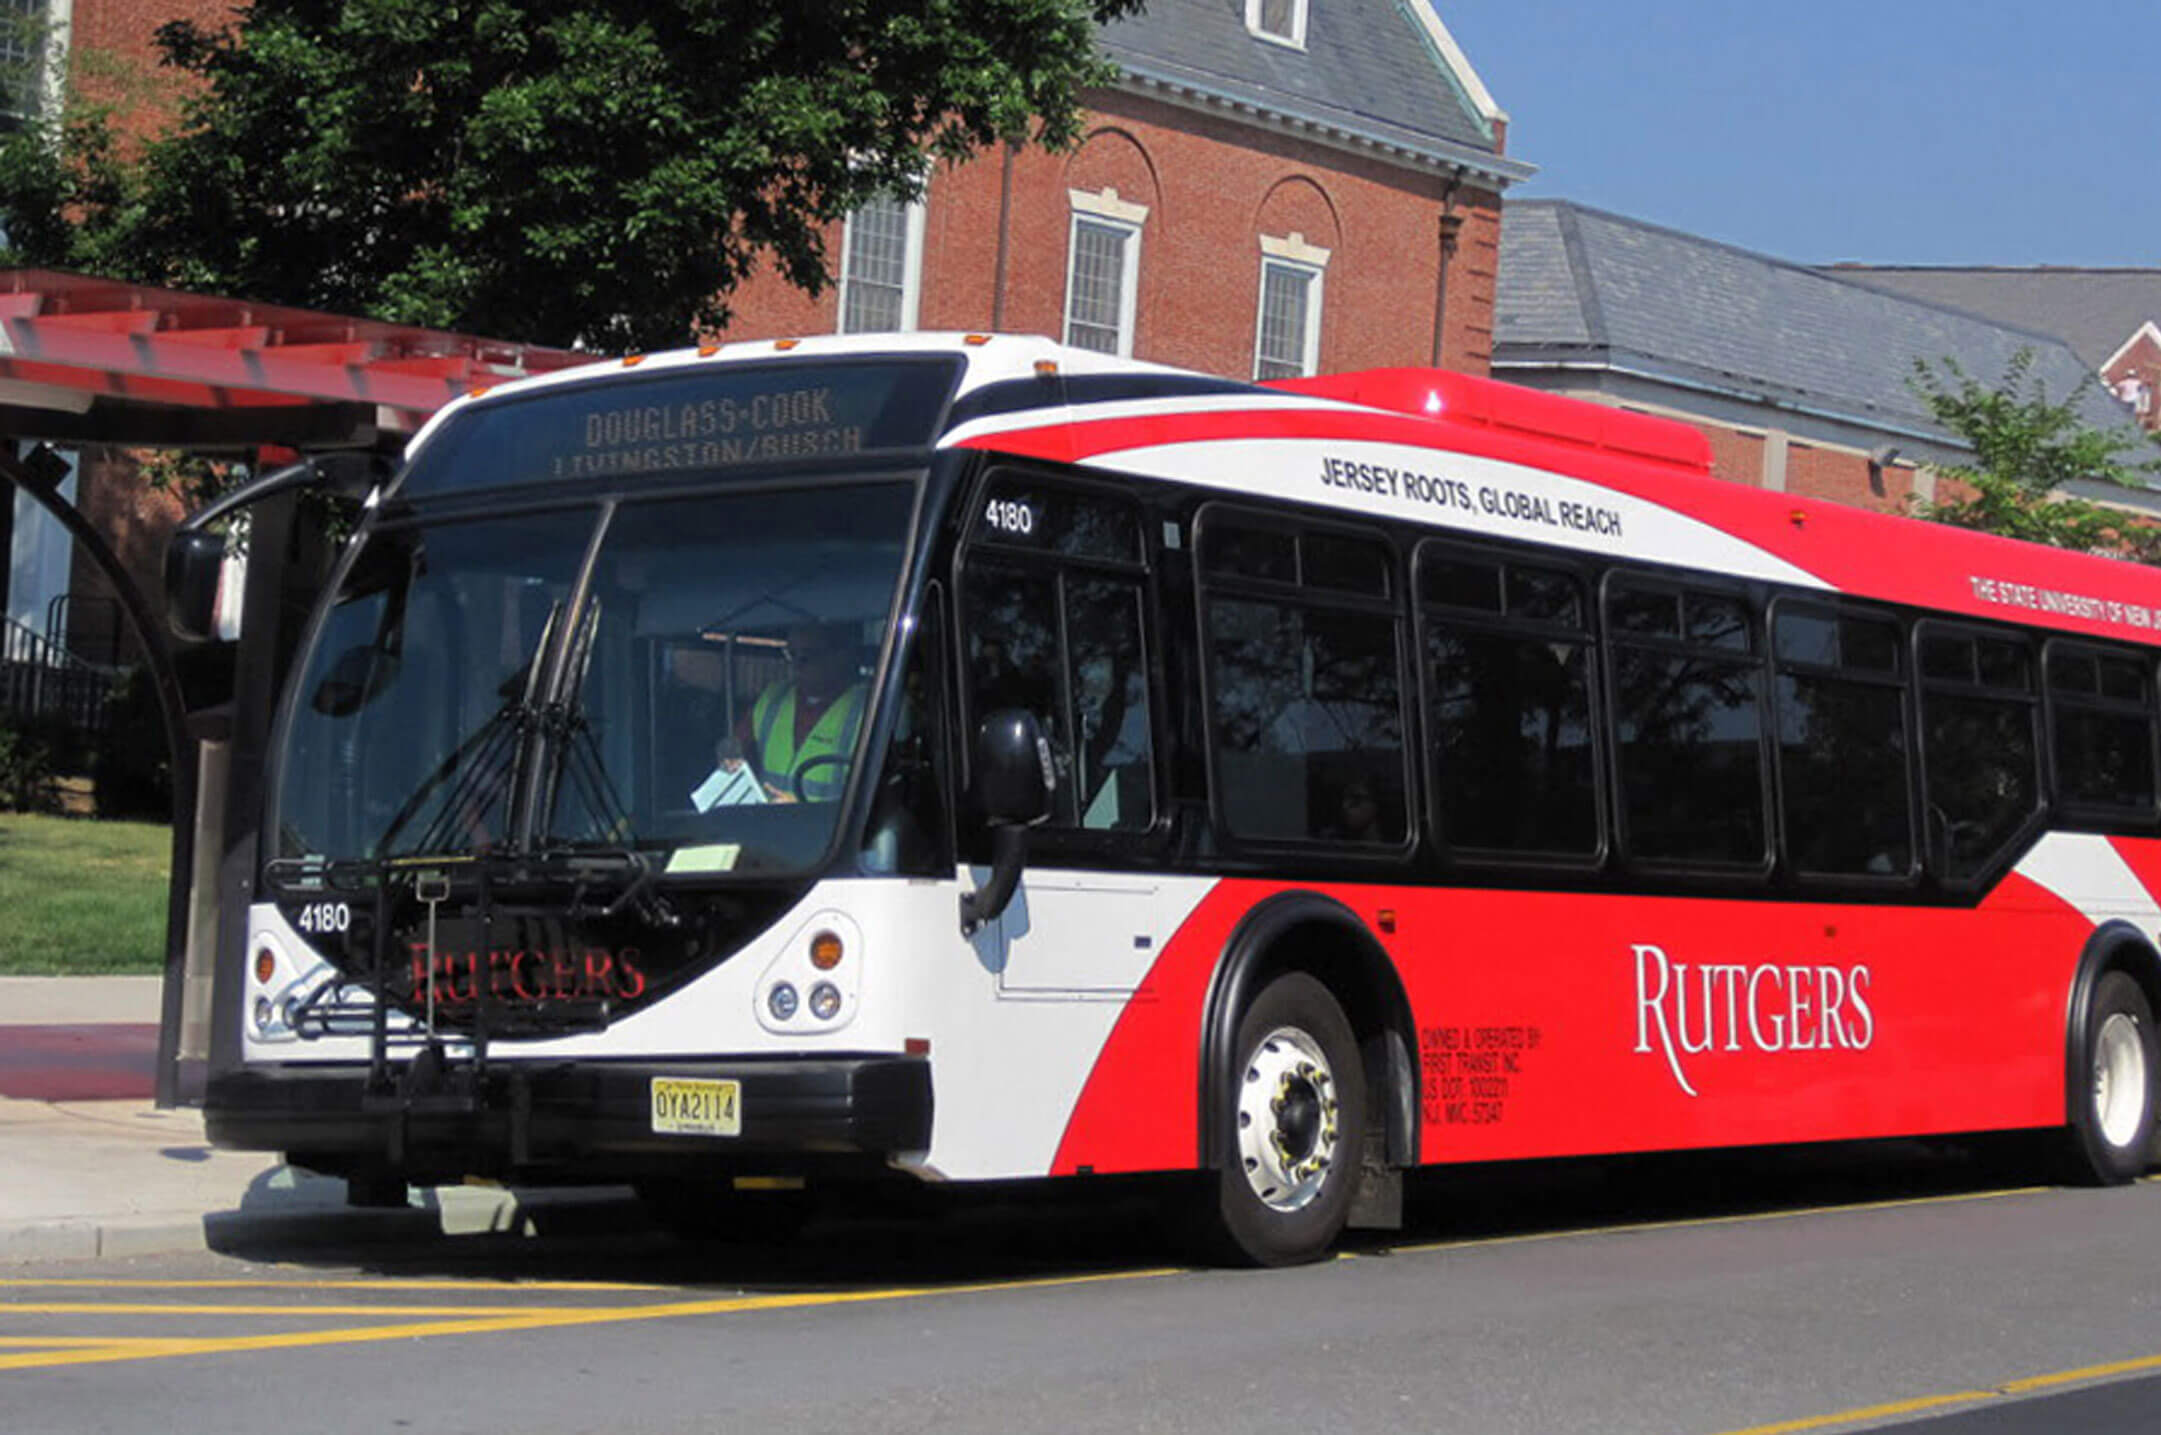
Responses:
[2026,447]
[561,171]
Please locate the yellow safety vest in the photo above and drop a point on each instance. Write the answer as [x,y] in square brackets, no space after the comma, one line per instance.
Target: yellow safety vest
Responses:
[780,756]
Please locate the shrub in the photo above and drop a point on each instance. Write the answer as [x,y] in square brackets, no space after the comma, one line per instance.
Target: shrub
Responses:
[26,770]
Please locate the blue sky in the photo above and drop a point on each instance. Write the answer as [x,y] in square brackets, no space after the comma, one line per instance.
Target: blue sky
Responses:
[1898,132]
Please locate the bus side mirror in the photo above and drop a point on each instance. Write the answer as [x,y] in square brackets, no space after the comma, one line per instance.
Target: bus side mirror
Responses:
[193,560]
[1013,777]
[1013,786]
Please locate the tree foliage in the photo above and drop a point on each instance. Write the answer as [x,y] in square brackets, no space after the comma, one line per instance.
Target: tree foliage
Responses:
[2026,448]
[561,171]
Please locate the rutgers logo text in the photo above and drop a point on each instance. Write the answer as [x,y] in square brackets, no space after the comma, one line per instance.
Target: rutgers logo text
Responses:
[1686,1011]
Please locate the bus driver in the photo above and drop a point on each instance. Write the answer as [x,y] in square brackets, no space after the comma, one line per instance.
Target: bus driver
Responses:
[799,733]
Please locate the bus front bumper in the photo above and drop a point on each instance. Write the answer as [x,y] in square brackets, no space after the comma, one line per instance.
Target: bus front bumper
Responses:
[574,1120]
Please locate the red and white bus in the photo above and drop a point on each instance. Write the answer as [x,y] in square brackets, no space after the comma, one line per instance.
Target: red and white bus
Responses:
[1286,785]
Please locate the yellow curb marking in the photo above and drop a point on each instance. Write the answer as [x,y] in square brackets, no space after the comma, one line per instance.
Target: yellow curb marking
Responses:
[542,1320]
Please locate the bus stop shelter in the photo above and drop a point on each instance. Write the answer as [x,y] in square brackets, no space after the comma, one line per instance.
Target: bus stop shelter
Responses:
[89,361]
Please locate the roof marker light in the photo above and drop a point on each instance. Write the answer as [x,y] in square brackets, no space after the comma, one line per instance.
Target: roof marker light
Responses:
[707,351]
[975,341]
[1433,402]
[786,344]
[477,390]
[1799,516]
[1046,368]
[631,361]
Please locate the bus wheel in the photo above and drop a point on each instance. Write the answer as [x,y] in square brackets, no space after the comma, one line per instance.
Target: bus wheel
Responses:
[1294,1114]
[2113,1122]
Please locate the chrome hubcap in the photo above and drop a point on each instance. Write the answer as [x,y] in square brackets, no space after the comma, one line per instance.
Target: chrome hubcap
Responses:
[2119,1080]
[1287,1119]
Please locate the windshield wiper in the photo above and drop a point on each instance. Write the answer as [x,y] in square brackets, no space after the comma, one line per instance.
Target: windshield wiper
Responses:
[484,762]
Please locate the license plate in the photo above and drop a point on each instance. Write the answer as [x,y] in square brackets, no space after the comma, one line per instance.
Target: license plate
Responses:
[696,1106]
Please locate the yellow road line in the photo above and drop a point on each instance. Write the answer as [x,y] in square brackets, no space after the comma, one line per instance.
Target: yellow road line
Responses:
[2026,1385]
[543,1319]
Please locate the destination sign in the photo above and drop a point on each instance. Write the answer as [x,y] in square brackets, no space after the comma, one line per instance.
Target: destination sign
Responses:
[686,422]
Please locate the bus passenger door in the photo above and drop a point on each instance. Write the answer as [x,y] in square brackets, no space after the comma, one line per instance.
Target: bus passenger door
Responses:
[1054,620]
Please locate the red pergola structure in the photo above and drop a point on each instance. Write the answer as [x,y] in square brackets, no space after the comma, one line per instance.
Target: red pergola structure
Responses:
[88,360]
[95,361]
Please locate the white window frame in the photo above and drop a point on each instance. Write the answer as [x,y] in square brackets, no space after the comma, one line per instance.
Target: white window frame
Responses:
[1107,211]
[1291,252]
[1296,40]
[911,284]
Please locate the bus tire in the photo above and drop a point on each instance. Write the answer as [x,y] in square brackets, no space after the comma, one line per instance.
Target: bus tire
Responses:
[2112,1111]
[1293,1114]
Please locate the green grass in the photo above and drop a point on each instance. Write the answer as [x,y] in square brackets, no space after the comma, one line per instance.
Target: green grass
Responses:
[80,897]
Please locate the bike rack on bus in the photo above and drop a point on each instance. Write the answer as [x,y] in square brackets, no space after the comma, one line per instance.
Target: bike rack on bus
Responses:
[448,1071]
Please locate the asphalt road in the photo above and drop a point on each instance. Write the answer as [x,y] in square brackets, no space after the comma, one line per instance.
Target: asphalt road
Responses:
[1707,1295]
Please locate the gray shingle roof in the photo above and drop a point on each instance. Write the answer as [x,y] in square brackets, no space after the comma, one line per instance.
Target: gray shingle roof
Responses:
[1583,286]
[1368,69]
[2092,310]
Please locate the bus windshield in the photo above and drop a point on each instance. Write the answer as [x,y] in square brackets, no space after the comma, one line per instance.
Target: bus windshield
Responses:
[701,695]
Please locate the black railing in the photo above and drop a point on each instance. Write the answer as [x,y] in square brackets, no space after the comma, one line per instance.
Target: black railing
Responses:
[43,680]
[88,625]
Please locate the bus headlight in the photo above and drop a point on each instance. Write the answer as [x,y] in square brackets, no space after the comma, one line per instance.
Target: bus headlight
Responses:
[812,984]
[262,1014]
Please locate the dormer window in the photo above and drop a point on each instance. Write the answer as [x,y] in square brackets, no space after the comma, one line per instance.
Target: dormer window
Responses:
[1283,21]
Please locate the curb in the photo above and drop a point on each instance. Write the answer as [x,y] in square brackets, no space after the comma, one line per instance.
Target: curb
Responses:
[441,1213]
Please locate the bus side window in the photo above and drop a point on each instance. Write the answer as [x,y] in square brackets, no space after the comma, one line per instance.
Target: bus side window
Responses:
[1304,683]
[1982,764]
[1507,652]
[1842,743]
[1688,716]
[909,830]
[2101,724]
[1060,634]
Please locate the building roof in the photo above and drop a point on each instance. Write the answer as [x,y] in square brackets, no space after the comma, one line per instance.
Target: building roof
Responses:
[98,360]
[1581,288]
[1381,75]
[2092,310]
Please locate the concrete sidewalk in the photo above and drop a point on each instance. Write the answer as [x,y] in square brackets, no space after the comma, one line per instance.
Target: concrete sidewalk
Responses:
[99,1179]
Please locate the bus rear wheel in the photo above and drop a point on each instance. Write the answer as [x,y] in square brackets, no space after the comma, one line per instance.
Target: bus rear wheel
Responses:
[1291,1119]
[2112,1125]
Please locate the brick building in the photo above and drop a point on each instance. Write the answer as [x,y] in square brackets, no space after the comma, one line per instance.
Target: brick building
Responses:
[1272,187]
[105,49]
[1798,375]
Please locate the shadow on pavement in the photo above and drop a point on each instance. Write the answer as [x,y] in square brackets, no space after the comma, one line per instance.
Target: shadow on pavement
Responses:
[959,1236]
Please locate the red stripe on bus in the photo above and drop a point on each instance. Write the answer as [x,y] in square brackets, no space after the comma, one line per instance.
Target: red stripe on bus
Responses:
[1556,1024]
